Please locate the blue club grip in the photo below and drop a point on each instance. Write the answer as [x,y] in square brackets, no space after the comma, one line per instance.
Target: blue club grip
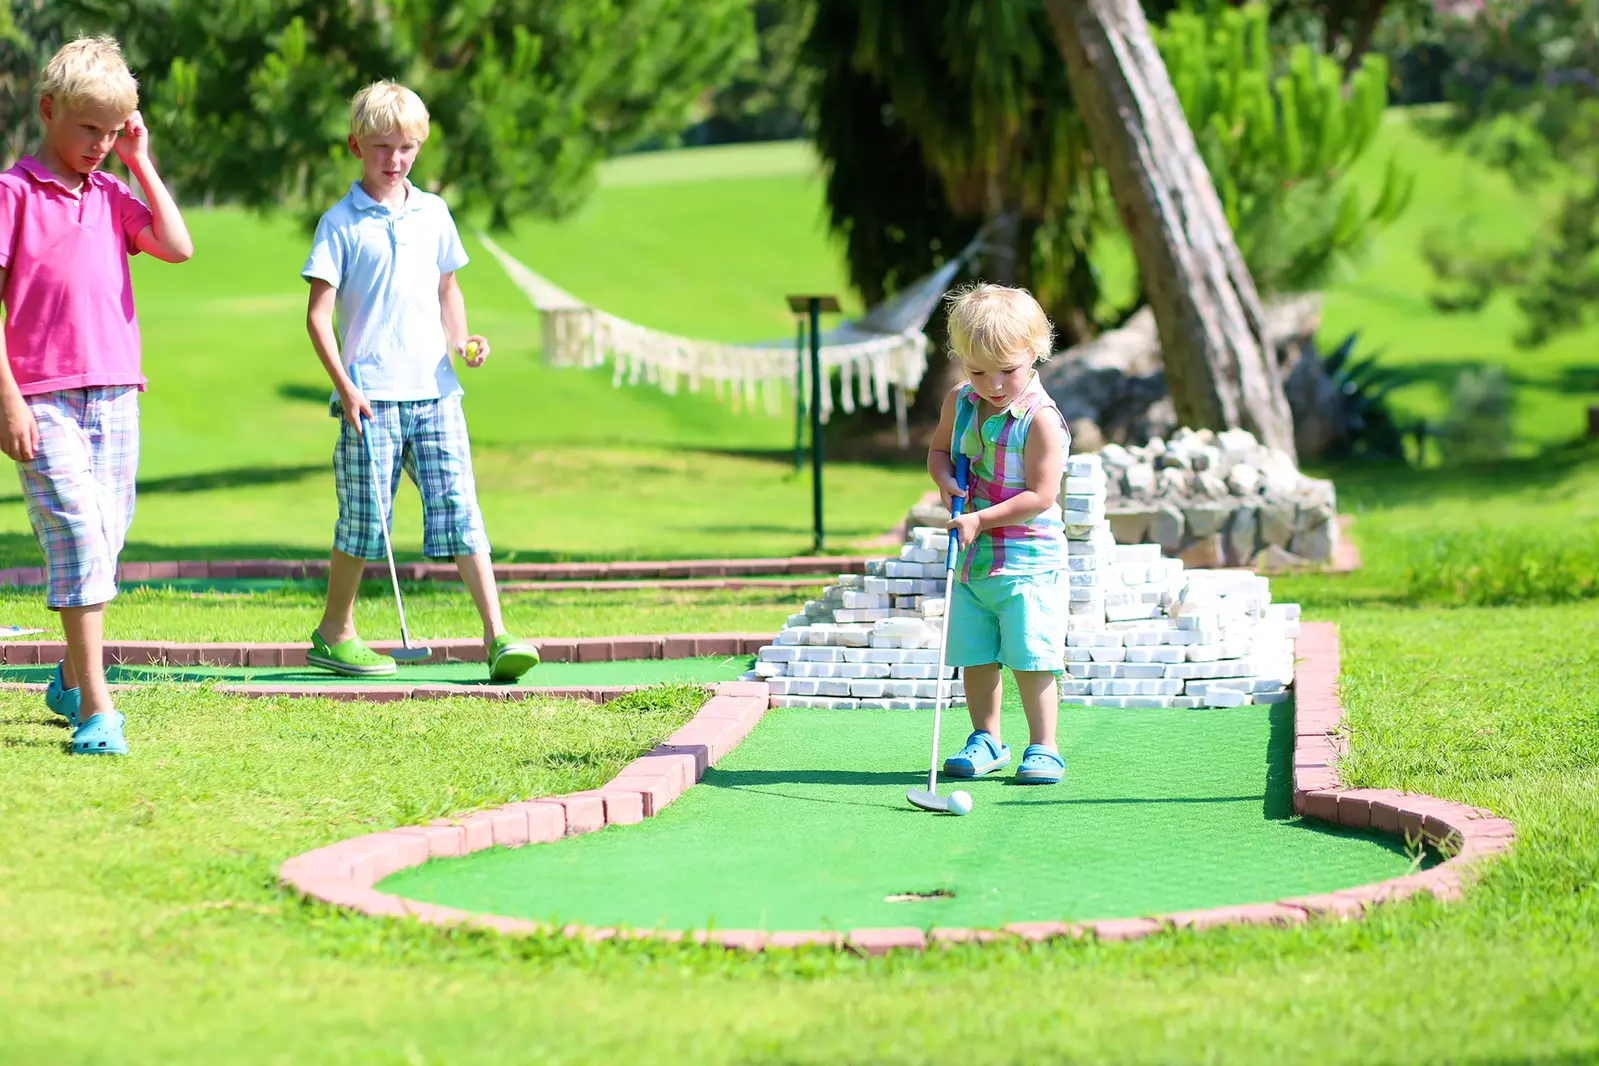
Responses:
[957,504]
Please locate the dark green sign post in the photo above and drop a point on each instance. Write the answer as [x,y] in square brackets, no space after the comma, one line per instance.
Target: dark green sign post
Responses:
[799,395]
[814,306]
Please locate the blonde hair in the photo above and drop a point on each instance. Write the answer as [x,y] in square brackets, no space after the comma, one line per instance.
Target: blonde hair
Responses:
[995,327]
[90,70]
[386,106]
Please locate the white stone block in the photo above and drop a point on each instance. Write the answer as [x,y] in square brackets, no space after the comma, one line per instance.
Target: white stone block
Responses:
[1086,486]
[1093,640]
[921,655]
[1071,686]
[1145,671]
[855,655]
[776,653]
[820,655]
[866,689]
[1085,465]
[1080,655]
[1219,696]
[768,669]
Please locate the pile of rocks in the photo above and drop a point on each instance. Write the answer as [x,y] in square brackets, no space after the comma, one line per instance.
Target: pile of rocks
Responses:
[1219,499]
[1143,630]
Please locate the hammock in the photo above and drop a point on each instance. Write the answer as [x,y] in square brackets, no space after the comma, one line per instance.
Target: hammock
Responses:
[877,358]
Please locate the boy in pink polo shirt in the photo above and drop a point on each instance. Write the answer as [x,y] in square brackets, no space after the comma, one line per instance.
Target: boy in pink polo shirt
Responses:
[70,379]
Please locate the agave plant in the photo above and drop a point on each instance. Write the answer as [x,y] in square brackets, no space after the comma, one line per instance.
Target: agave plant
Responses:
[1363,387]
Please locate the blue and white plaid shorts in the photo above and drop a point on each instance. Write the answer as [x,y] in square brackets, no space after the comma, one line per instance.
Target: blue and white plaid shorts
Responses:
[427,439]
[79,488]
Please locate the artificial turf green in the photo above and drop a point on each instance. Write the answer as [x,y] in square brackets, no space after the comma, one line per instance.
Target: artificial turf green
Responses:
[546,675]
[805,826]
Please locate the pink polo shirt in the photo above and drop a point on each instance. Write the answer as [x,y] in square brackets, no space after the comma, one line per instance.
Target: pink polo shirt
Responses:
[68,295]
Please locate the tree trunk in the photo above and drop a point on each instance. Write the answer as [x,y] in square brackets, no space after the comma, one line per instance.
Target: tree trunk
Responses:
[1212,329]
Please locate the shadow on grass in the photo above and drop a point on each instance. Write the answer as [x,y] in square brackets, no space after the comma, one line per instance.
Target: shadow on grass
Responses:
[236,478]
[1377,486]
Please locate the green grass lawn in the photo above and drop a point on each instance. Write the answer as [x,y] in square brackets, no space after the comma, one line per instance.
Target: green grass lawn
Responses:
[145,888]
[140,920]
[1384,296]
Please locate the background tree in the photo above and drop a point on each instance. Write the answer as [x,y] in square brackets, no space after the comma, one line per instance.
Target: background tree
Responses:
[1220,365]
[249,98]
[768,96]
[1273,123]
[1524,96]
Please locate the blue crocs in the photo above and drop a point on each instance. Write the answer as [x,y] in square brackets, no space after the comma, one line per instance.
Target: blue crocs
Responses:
[100,735]
[62,700]
[1040,766]
[981,755]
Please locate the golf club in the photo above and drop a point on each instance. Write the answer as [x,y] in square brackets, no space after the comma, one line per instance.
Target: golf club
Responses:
[931,800]
[407,653]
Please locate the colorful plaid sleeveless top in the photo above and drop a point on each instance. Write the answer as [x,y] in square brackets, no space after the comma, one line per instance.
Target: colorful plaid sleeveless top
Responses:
[998,472]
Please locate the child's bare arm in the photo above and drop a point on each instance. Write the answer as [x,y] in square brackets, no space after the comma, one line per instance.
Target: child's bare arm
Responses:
[1043,464]
[19,433]
[166,237]
[452,308]
[940,464]
[319,324]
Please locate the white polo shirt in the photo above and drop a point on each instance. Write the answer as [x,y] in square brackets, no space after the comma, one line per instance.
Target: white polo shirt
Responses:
[386,264]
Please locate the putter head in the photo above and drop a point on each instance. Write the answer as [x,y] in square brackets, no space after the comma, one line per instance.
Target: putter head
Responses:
[927,801]
[410,655]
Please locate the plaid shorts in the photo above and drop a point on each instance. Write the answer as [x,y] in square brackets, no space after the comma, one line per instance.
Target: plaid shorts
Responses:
[427,439]
[79,488]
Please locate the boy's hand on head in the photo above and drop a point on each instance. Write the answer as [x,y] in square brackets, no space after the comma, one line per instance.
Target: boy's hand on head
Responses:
[19,431]
[475,350]
[967,526]
[134,144]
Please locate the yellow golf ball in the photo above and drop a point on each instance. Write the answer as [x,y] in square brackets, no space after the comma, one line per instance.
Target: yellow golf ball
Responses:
[471,349]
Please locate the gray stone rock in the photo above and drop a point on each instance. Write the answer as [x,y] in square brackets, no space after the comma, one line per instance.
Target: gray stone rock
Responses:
[1277,523]
[1310,517]
[1317,543]
[1130,525]
[1114,454]
[1210,486]
[1166,528]
[1140,481]
[1174,458]
[1273,559]
[1205,553]
[1205,457]
[1243,480]
[1172,481]
[1205,520]
[1241,534]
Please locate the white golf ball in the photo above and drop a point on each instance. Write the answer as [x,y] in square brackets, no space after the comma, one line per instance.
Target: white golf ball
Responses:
[960,802]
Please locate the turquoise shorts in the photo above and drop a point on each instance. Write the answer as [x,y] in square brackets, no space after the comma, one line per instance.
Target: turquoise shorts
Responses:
[1017,621]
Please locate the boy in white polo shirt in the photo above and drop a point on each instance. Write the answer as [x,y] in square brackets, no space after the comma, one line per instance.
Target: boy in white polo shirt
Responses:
[385,257]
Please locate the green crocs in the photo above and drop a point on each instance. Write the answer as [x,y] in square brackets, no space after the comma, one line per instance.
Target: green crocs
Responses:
[351,658]
[510,658]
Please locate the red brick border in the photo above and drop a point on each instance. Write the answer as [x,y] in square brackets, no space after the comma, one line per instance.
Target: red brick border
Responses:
[581,573]
[343,874]
[585,649]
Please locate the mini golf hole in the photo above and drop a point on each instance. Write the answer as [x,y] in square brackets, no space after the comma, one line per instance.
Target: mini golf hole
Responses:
[919,897]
